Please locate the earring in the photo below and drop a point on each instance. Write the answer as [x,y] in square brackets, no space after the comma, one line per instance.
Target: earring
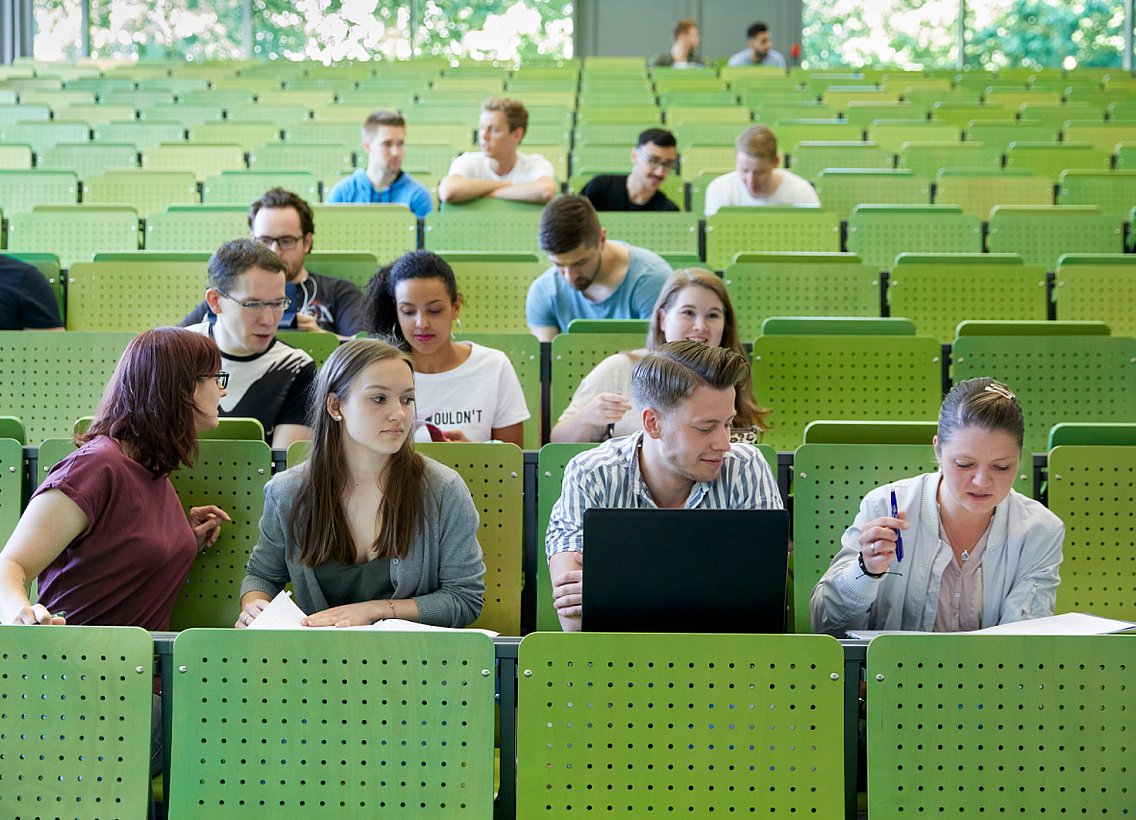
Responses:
[338,418]
[454,334]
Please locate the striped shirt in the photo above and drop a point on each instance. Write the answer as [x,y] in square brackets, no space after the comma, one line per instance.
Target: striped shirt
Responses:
[609,476]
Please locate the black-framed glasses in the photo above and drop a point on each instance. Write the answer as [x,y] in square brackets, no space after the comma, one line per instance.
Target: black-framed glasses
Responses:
[278,305]
[221,377]
[658,162]
[285,243]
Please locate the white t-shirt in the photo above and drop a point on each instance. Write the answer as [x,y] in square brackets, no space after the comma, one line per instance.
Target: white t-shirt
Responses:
[728,189]
[480,394]
[527,168]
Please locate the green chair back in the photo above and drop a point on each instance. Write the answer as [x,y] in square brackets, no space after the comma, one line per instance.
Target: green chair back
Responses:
[243,187]
[937,291]
[792,131]
[248,135]
[892,134]
[1098,287]
[1092,433]
[196,227]
[870,432]
[21,191]
[842,189]
[1089,492]
[88,159]
[523,351]
[317,345]
[421,705]
[1060,378]
[809,158]
[879,233]
[76,720]
[104,295]
[493,289]
[494,474]
[772,228]
[978,191]
[664,233]
[89,229]
[464,231]
[865,377]
[800,285]
[635,327]
[1041,234]
[143,133]
[1103,136]
[204,159]
[685,711]
[232,475]
[11,478]
[15,157]
[573,357]
[1111,191]
[145,191]
[1049,159]
[998,134]
[928,158]
[838,326]
[699,182]
[829,481]
[387,231]
[44,134]
[356,267]
[946,713]
[229,428]
[13,428]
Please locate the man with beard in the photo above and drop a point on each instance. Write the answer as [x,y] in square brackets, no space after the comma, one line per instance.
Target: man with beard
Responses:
[652,160]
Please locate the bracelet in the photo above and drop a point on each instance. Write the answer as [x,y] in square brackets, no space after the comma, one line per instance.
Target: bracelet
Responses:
[391,605]
[864,567]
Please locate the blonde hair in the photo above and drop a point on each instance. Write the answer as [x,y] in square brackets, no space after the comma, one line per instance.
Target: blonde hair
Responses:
[758,142]
[516,116]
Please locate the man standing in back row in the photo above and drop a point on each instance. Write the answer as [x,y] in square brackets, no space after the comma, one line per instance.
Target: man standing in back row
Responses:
[499,170]
[652,160]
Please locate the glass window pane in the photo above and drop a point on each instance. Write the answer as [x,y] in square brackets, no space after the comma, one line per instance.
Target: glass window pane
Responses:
[58,24]
[1032,33]
[909,34]
[330,32]
[154,29]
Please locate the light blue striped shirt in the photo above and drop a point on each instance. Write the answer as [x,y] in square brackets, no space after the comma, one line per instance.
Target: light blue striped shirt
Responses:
[609,476]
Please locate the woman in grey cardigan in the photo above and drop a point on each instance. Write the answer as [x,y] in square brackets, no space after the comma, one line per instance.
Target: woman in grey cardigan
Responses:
[366,528]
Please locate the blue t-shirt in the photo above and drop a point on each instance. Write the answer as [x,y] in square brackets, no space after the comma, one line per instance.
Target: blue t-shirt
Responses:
[403,191]
[552,302]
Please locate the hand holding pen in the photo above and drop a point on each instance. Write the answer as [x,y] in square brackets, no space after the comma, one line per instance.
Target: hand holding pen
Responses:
[881,541]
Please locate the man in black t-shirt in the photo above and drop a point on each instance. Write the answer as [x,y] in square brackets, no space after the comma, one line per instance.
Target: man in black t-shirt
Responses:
[26,299]
[651,161]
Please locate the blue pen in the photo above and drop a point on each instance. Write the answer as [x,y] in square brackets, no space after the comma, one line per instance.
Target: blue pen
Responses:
[898,534]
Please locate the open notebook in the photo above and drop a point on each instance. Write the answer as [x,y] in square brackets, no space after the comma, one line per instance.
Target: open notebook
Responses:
[282,613]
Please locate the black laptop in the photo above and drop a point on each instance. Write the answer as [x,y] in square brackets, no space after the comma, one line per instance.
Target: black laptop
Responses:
[648,570]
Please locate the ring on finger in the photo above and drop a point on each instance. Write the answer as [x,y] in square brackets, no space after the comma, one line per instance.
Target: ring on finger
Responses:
[873,548]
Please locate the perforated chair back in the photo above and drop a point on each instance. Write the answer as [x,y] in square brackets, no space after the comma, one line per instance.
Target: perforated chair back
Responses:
[243,187]
[89,159]
[523,352]
[1111,191]
[1091,490]
[88,229]
[11,483]
[664,233]
[493,289]
[358,722]
[1041,234]
[892,134]
[21,191]
[1051,158]
[462,231]
[842,189]
[800,285]
[978,191]
[195,227]
[76,720]
[928,158]
[583,747]
[494,475]
[809,158]
[145,191]
[204,159]
[772,228]
[939,291]
[829,481]
[317,345]
[879,233]
[232,475]
[142,133]
[1098,287]
[574,355]
[387,231]
[1059,378]
[946,713]
[51,379]
[104,295]
[894,378]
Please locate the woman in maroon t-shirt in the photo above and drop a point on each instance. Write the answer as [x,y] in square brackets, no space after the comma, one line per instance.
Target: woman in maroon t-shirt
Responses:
[105,532]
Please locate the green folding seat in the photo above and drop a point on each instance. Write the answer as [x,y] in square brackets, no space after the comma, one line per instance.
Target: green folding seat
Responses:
[978,191]
[1058,113]
[142,133]
[578,751]
[138,98]
[387,231]
[1000,133]
[574,355]
[341,131]
[863,112]
[1097,287]
[842,189]
[698,159]
[878,233]
[89,159]
[1041,234]
[735,230]
[81,737]
[204,159]
[555,153]
[1060,371]
[57,98]
[184,113]
[1101,135]
[698,185]
[15,157]
[247,134]
[242,187]
[962,113]
[436,157]
[691,113]
[102,295]
[21,191]
[602,156]
[617,113]
[12,114]
[51,379]
[145,191]
[461,136]
[196,227]
[791,131]
[799,284]
[481,230]
[96,114]
[493,288]
[317,345]
[74,232]
[892,134]
[894,378]
[1015,98]
[1050,159]
[693,134]
[238,100]
[1114,192]
[937,291]
[42,135]
[664,233]
[928,158]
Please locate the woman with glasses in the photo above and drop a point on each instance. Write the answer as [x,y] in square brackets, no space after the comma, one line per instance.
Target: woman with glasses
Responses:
[105,533]
[465,391]
[366,529]
[693,306]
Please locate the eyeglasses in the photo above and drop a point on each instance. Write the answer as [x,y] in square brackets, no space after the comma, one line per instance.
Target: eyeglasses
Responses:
[221,377]
[277,305]
[285,243]
[655,162]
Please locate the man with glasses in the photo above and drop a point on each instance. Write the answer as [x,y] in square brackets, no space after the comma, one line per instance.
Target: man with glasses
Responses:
[268,380]
[319,304]
[590,277]
[652,159]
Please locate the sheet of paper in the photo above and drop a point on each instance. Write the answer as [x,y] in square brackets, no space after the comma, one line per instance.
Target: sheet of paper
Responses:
[1069,623]
[282,613]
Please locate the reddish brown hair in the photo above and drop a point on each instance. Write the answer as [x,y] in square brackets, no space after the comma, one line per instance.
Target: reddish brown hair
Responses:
[148,404]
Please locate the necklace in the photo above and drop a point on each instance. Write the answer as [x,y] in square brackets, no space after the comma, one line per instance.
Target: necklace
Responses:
[965,554]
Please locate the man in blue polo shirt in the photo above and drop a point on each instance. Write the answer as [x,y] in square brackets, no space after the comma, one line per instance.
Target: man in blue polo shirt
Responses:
[383,180]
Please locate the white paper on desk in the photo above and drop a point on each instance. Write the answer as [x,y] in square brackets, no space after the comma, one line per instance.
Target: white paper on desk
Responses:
[1068,623]
[868,634]
[282,613]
